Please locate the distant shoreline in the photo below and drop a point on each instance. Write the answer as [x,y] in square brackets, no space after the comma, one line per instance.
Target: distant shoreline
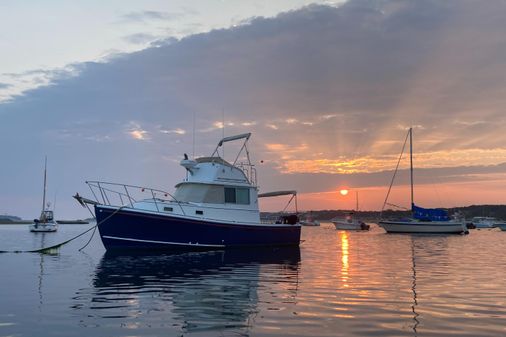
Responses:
[27,222]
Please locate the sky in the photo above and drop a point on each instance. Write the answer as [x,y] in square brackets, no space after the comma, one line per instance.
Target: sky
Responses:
[119,91]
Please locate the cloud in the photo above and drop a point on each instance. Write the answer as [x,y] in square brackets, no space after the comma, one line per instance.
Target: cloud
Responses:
[147,16]
[20,83]
[177,131]
[329,85]
[140,38]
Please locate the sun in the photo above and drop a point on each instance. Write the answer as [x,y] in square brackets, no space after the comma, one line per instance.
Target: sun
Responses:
[343,192]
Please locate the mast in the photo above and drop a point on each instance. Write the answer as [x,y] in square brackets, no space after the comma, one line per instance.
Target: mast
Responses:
[44,194]
[411,164]
[356,194]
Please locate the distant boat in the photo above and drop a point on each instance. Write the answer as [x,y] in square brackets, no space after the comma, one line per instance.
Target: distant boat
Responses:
[485,222]
[423,220]
[309,221]
[501,225]
[215,207]
[349,222]
[46,222]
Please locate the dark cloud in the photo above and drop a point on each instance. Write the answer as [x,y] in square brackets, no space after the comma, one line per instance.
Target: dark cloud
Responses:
[335,83]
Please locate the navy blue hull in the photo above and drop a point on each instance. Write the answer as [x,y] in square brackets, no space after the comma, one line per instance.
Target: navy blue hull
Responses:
[134,229]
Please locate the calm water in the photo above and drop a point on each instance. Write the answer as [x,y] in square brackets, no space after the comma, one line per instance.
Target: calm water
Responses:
[337,284]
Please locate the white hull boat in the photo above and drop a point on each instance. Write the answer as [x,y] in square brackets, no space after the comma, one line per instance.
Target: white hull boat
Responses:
[309,222]
[424,220]
[434,227]
[485,222]
[50,226]
[46,222]
[349,223]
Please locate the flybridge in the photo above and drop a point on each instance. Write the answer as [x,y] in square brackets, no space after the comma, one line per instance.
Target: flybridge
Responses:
[247,168]
[244,147]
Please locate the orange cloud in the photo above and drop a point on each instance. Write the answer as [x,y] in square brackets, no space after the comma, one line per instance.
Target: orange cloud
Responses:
[370,164]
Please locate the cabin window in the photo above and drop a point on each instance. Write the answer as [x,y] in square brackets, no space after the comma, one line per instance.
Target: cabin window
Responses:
[202,193]
[242,196]
[168,209]
[237,195]
[199,212]
[230,195]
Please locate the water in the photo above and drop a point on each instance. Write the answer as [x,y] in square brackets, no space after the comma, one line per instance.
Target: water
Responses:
[337,284]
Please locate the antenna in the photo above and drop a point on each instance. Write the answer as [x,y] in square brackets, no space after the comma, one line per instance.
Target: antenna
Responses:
[223,130]
[193,155]
[44,194]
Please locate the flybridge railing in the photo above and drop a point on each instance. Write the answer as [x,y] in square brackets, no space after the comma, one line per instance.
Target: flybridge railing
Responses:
[249,171]
[114,194]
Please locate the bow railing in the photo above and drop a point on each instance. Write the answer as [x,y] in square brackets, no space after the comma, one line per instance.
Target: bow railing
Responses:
[115,194]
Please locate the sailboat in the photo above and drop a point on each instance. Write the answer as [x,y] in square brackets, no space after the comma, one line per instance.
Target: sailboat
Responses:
[46,222]
[423,220]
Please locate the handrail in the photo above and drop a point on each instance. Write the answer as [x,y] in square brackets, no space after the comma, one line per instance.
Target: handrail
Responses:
[101,186]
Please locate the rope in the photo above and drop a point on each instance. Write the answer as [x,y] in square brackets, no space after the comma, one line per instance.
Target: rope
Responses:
[91,237]
[393,177]
[46,250]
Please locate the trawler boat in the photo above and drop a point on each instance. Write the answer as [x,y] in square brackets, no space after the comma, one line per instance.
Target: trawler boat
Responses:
[424,220]
[46,222]
[348,222]
[214,207]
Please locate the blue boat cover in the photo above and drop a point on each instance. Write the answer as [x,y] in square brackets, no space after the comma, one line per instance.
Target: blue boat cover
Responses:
[429,214]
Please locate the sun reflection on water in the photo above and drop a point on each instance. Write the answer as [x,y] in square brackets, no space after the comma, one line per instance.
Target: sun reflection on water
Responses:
[345,265]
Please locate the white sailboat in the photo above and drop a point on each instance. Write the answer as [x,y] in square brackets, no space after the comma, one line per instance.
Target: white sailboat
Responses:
[46,221]
[423,220]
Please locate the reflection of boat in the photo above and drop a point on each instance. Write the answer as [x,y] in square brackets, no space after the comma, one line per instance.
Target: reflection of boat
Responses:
[215,207]
[204,291]
[46,222]
[349,222]
[413,289]
[309,220]
[424,220]
[486,222]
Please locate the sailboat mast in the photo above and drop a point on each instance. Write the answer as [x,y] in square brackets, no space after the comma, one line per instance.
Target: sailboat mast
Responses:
[356,194]
[411,164]
[44,194]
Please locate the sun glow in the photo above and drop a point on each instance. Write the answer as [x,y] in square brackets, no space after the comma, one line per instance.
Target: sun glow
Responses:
[344,192]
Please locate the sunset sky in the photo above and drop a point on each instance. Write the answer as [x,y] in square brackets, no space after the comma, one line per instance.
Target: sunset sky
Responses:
[328,89]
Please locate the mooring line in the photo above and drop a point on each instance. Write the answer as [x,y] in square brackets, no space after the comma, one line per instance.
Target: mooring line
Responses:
[48,249]
[51,248]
